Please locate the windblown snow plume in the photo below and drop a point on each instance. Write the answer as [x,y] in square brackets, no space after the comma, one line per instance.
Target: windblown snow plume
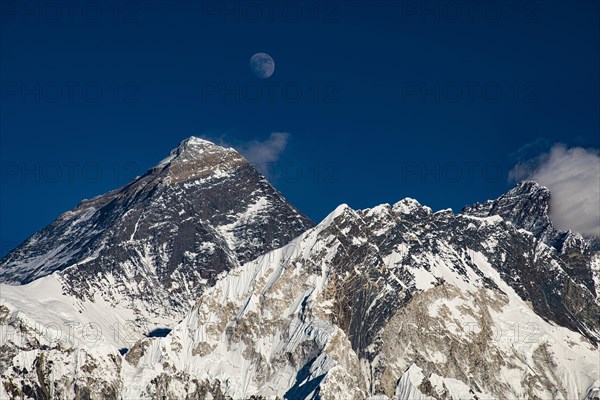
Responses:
[262,153]
[573,177]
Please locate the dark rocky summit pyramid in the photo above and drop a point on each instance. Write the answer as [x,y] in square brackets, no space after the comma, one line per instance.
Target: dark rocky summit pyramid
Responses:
[153,244]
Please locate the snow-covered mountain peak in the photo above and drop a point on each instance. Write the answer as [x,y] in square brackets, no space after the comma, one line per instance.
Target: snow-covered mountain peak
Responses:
[339,210]
[408,206]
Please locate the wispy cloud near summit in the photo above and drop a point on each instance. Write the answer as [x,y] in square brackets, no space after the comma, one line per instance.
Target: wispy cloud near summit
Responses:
[263,153]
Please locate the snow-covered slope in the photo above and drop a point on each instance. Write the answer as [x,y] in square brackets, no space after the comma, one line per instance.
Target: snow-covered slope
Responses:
[46,361]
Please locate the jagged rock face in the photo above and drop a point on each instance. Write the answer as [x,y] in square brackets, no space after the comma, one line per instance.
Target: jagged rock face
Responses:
[155,243]
[368,296]
[527,207]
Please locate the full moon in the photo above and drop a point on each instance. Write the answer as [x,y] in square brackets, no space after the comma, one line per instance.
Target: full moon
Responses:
[262,65]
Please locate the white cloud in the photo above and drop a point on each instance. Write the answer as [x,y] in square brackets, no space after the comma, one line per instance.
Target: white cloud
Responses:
[263,153]
[573,178]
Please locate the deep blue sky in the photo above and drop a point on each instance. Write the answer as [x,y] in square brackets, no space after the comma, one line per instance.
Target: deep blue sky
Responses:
[94,93]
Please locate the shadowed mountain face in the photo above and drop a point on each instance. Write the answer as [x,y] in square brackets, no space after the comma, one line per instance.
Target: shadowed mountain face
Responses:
[153,244]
